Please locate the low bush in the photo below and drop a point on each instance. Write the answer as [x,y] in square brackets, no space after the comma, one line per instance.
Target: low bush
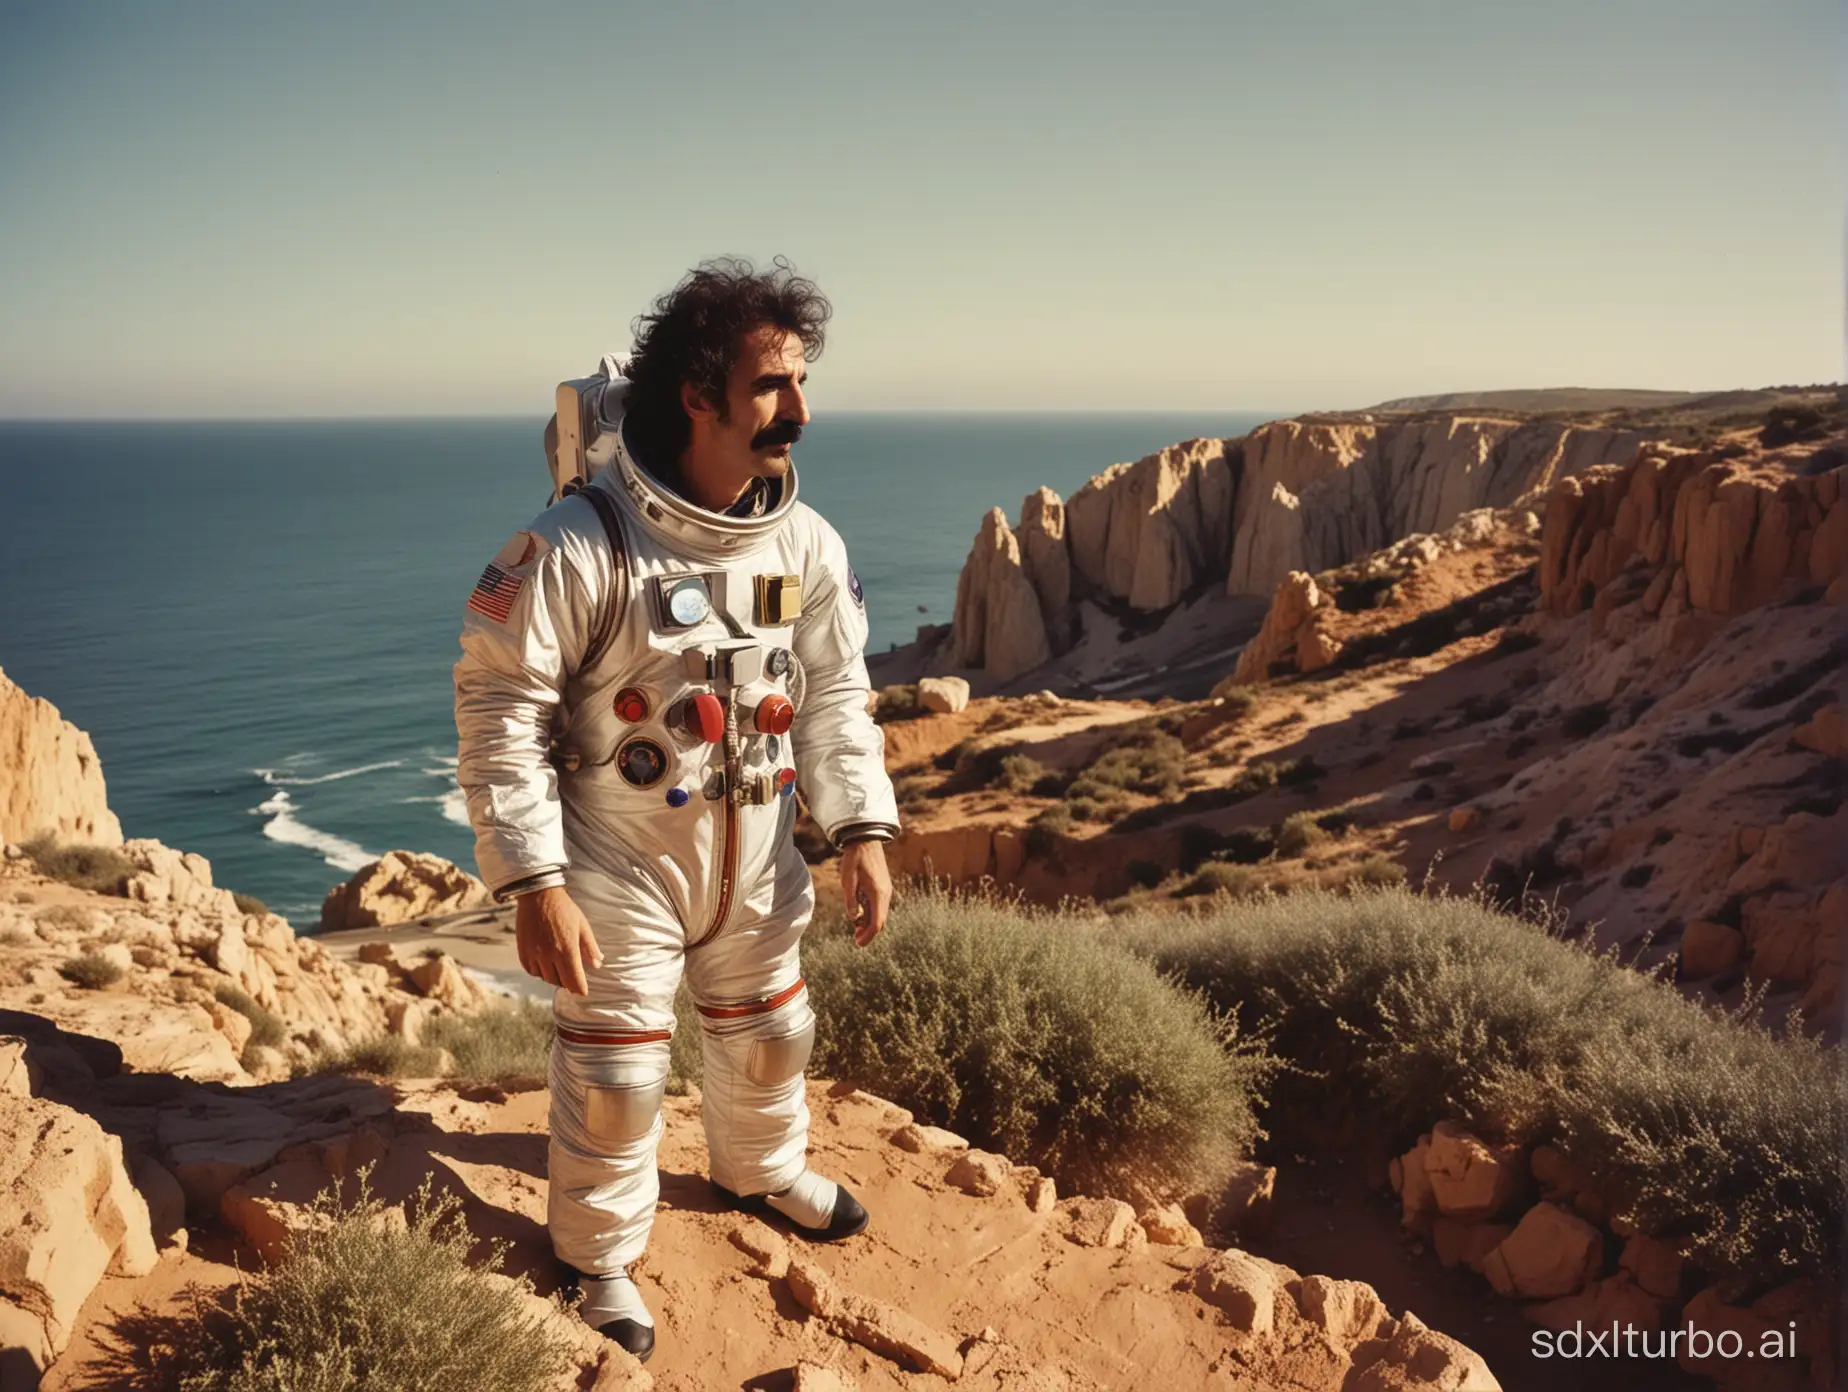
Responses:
[1300,833]
[1021,773]
[360,1299]
[1222,877]
[498,1044]
[1039,1037]
[90,971]
[898,703]
[100,869]
[18,937]
[495,1045]
[250,904]
[1700,1127]
[67,918]
[1150,761]
[266,1027]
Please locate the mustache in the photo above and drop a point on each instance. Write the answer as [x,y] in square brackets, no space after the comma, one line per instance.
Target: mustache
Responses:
[785,432]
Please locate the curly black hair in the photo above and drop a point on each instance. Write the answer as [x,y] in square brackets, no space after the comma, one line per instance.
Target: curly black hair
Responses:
[694,334]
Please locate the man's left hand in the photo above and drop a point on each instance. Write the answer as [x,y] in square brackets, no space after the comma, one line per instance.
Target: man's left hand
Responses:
[866,885]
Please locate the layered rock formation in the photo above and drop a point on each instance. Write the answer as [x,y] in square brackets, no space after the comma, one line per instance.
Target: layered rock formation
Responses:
[398,887]
[52,781]
[1242,515]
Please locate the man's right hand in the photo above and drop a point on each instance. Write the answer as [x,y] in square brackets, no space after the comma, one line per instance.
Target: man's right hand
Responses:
[554,939]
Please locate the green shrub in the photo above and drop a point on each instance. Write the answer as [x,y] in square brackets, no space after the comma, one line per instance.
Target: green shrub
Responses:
[100,869]
[1021,773]
[382,1056]
[1147,761]
[499,1044]
[1700,1127]
[1377,871]
[898,703]
[1055,820]
[1038,1037]
[1299,833]
[90,971]
[685,1064]
[250,904]
[266,1027]
[359,1300]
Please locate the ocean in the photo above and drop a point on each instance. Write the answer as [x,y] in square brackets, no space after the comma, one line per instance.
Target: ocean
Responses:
[256,621]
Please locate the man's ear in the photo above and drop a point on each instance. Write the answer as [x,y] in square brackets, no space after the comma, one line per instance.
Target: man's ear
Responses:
[697,404]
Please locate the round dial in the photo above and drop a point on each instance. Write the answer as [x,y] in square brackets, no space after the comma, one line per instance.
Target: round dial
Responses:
[688,603]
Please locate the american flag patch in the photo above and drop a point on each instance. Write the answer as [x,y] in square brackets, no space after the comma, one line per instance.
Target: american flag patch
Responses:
[495,593]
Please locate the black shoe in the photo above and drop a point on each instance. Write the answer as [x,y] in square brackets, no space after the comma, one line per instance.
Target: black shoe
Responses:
[848,1219]
[637,1338]
[631,1335]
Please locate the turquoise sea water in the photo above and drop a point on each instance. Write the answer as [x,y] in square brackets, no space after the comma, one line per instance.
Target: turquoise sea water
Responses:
[256,622]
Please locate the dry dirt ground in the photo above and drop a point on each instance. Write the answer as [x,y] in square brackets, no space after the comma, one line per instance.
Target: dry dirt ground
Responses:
[1043,1309]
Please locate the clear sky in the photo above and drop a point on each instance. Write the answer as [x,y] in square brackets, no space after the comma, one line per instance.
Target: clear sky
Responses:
[350,208]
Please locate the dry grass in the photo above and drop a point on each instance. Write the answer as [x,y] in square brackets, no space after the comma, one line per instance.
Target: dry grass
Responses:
[364,1298]
[266,1027]
[502,1043]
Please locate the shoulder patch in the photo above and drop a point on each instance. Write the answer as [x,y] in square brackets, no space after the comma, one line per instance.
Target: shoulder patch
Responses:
[854,587]
[500,583]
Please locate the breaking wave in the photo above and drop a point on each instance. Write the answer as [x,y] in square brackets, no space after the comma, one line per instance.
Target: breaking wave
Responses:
[284,826]
[278,779]
[453,805]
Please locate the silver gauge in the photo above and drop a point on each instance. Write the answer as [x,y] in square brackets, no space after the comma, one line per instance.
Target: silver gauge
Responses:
[688,603]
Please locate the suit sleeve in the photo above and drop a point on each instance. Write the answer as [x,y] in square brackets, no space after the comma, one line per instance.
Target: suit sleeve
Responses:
[524,631]
[840,752]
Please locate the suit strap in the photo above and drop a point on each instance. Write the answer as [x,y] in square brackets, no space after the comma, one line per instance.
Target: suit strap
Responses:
[611,619]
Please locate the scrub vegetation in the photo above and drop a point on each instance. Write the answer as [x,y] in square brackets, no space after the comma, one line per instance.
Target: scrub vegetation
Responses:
[1701,1127]
[504,1043]
[1039,1037]
[99,869]
[363,1298]
[90,971]
[266,1027]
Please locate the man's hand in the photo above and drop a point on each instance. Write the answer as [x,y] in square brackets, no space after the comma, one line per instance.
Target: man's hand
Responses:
[554,939]
[866,885]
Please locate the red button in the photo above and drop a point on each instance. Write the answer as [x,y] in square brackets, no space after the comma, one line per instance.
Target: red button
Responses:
[774,714]
[786,777]
[703,716]
[631,705]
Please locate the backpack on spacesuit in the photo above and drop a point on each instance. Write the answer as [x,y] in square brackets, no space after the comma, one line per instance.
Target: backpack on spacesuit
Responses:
[569,435]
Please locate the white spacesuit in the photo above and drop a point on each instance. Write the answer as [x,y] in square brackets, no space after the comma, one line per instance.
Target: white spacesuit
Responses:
[634,726]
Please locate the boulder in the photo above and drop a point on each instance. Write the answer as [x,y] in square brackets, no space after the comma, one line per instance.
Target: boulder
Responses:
[1658,1268]
[51,782]
[1471,1180]
[1346,1311]
[1168,1226]
[1042,1194]
[978,1172]
[398,887]
[1550,1253]
[927,1140]
[268,1209]
[69,1213]
[1098,1222]
[943,695]
[1466,1244]
[438,978]
[1241,1287]
[1413,1358]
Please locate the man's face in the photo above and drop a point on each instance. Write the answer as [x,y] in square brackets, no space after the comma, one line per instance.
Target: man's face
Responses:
[765,408]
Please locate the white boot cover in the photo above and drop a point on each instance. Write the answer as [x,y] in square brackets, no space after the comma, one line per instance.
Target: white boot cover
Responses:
[612,1297]
[809,1201]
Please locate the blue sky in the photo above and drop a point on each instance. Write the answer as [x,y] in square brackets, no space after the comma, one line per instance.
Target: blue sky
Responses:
[250,209]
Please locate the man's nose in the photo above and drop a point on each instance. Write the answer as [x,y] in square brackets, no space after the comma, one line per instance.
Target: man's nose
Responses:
[795,406]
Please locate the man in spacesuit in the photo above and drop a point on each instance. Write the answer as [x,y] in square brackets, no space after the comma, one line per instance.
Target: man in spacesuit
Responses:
[649,672]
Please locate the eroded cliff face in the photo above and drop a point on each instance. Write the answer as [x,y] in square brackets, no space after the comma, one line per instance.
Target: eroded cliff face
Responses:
[51,782]
[1297,495]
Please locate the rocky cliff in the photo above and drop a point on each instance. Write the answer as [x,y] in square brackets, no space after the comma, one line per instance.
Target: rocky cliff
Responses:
[53,781]
[1240,515]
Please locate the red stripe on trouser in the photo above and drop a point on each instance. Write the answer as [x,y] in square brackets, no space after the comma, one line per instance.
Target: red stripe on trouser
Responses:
[573,1034]
[768,1003]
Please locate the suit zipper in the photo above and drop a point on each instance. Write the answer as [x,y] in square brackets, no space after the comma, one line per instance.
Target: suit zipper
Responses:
[734,792]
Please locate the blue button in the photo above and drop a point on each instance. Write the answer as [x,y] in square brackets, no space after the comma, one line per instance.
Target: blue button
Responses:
[678,797]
